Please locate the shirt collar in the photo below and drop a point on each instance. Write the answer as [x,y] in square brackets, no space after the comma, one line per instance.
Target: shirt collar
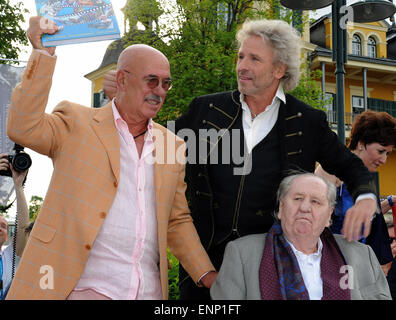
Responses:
[119,122]
[299,253]
[279,95]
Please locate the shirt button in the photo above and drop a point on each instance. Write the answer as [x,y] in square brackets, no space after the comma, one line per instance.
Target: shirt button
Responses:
[115,184]
[88,247]
[103,215]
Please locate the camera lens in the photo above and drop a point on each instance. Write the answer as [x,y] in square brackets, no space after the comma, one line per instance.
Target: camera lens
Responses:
[21,162]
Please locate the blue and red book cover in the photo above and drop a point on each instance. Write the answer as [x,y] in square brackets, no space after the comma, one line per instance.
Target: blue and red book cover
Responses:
[80,20]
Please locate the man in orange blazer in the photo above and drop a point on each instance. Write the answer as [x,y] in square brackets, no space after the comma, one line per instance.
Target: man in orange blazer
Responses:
[116,198]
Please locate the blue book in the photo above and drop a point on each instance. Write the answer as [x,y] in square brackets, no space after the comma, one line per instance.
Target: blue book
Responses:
[80,20]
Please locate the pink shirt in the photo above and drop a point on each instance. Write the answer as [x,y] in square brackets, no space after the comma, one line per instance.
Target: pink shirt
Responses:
[124,260]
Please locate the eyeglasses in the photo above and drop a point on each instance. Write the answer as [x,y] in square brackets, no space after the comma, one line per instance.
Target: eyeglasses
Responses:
[153,82]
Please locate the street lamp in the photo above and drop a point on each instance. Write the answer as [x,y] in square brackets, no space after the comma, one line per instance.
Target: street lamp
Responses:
[364,11]
[372,10]
[306,4]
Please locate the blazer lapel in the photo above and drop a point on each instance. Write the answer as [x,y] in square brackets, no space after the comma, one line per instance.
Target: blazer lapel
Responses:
[104,127]
[159,149]
[159,154]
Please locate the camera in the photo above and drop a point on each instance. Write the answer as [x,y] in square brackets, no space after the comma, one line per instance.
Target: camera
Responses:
[20,160]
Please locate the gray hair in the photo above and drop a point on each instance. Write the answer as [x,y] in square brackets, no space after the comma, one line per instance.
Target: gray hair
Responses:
[285,42]
[285,185]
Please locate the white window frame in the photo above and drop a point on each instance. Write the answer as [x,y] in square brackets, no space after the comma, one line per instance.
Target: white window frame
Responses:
[370,46]
[359,106]
[356,46]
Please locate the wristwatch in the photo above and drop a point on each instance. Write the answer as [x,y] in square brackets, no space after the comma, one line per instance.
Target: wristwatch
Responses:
[390,201]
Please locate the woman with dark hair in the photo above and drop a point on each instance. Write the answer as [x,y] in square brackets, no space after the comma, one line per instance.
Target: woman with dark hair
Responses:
[373,136]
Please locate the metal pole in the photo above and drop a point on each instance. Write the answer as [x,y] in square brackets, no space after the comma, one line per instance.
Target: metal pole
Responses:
[365,88]
[323,77]
[339,49]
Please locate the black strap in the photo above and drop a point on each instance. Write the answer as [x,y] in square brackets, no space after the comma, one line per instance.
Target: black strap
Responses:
[140,134]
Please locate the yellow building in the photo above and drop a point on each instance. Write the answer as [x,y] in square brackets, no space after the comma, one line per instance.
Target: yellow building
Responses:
[370,78]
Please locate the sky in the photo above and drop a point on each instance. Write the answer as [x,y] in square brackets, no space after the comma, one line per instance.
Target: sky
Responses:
[69,83]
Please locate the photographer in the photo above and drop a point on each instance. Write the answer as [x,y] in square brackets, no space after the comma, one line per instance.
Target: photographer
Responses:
[6,256]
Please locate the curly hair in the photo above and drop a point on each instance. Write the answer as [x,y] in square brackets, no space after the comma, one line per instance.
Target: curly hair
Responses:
[373,127]
[285,42]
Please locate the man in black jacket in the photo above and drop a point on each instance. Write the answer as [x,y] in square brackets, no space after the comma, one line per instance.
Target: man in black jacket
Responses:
[275,132]
[240,145]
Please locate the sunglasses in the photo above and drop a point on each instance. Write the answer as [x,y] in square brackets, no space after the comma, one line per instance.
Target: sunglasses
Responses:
[153,82]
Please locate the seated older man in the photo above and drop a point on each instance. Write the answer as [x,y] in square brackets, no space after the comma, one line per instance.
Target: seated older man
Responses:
[299,258]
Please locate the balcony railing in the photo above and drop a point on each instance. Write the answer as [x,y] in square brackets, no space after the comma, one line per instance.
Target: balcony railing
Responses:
[372,104]
[332,118]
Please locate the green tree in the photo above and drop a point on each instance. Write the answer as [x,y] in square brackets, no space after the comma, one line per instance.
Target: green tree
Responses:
[4,209]
[309,90]
[202,50]
[11,34]
[35,205]
[173,277]
[146,12]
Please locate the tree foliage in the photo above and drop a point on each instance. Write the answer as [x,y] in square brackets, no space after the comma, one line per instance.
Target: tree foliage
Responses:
[309,90]
[4,209]
[202,51]
[173,277]
[11,34]
[147,12]
[35,205]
